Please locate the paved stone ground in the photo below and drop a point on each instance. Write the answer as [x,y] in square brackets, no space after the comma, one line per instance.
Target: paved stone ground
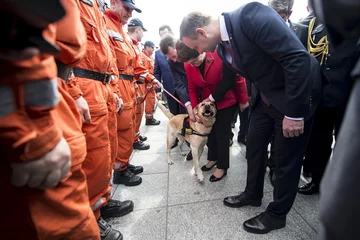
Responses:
[171,204]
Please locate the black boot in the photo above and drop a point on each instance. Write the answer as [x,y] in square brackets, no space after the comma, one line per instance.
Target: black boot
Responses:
[141,145]
[135,169]
[126,177]
[107,232]
[152,121]
[142,138]
[116,208]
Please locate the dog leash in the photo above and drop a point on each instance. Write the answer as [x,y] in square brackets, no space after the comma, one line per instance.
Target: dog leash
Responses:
[173,97]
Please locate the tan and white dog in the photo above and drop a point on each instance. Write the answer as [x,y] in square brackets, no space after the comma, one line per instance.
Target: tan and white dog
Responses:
[196,133]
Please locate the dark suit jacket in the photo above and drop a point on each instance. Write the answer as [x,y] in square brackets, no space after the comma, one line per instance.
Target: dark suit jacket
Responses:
[180,80]
[269,54]
[301,32]
[162,72]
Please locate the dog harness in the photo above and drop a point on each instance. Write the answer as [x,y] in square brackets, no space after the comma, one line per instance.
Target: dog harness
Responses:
[188,130]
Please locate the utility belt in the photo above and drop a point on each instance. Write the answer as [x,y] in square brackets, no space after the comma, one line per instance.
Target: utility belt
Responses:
[126,77]
[64,71]
[105,78]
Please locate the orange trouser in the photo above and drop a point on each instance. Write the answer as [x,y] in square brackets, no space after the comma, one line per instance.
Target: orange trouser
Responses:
[62,212]
[150,103]
[97,165]
[141,91]
[125,134]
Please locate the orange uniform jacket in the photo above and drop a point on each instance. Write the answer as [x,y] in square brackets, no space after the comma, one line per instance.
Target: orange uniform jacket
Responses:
[100,133]
[42,210]
[150,98]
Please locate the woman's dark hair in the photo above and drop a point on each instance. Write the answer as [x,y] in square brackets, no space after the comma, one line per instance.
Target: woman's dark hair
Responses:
[184,53]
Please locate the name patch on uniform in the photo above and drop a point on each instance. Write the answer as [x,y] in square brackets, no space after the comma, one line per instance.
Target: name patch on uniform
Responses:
[115,35]
[88,2]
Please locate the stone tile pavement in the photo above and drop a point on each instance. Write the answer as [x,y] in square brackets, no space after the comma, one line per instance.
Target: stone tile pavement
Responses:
[171,204]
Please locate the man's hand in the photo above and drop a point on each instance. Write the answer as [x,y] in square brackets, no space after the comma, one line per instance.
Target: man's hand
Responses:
[119,103]
[18,55]
[156,84]
[243,106]
[44,172]
[83,109]
[292,128]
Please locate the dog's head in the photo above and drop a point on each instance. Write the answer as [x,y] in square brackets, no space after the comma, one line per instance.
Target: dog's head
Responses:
[206,111]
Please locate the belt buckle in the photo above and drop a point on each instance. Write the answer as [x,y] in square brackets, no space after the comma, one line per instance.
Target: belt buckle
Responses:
[107,78]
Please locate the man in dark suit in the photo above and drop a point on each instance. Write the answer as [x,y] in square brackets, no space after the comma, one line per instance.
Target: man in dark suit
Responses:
[340,192]
[255,41]
[163,73]
[284,9]
[337,65]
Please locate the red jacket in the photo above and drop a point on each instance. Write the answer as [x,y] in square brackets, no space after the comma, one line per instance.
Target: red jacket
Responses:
[213,74]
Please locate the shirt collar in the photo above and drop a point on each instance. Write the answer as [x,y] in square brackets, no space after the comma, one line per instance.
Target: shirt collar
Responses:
[223,31]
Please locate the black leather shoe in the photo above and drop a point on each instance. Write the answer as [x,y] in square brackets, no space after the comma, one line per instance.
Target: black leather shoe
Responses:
[189,156]
[107,232]
[206,169]
[307,174]
[215,179]
[263,223]
[152,122]
[116,208]
[231,142]
[141,145]
[126,177]
[241,200]
[135,169]
[272,177]
[142,138]
[309,189]
[241,140]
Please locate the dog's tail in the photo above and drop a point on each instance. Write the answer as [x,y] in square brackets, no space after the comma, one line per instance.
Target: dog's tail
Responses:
[165,110]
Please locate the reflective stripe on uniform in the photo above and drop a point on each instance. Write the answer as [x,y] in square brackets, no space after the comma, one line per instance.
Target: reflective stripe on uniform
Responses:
[42,93]
[115,35]
[118,165]
[7,103]
[98,204]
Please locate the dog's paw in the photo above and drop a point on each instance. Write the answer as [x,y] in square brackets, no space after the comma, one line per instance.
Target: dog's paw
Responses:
[200,177]
[183,153]
[192,172]
[170,162]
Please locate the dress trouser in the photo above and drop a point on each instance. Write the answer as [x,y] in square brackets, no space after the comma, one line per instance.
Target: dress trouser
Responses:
[288,156]
[318,151]
[218,140]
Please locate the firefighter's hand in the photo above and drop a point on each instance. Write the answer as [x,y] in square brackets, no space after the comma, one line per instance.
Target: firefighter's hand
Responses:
[139,99]
[18,55]
[119,103]
[44,172]
[83,109]
[159,96]
[156,83]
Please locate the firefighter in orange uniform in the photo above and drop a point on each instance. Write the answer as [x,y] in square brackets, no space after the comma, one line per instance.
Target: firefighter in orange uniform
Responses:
[136,32]
[146,55]
[94,89]
[129,71]
[40,134]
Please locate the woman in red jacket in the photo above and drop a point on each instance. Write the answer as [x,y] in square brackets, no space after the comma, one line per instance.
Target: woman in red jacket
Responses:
[204,72]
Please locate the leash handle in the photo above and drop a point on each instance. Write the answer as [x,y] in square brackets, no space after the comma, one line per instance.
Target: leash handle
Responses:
[173,97]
